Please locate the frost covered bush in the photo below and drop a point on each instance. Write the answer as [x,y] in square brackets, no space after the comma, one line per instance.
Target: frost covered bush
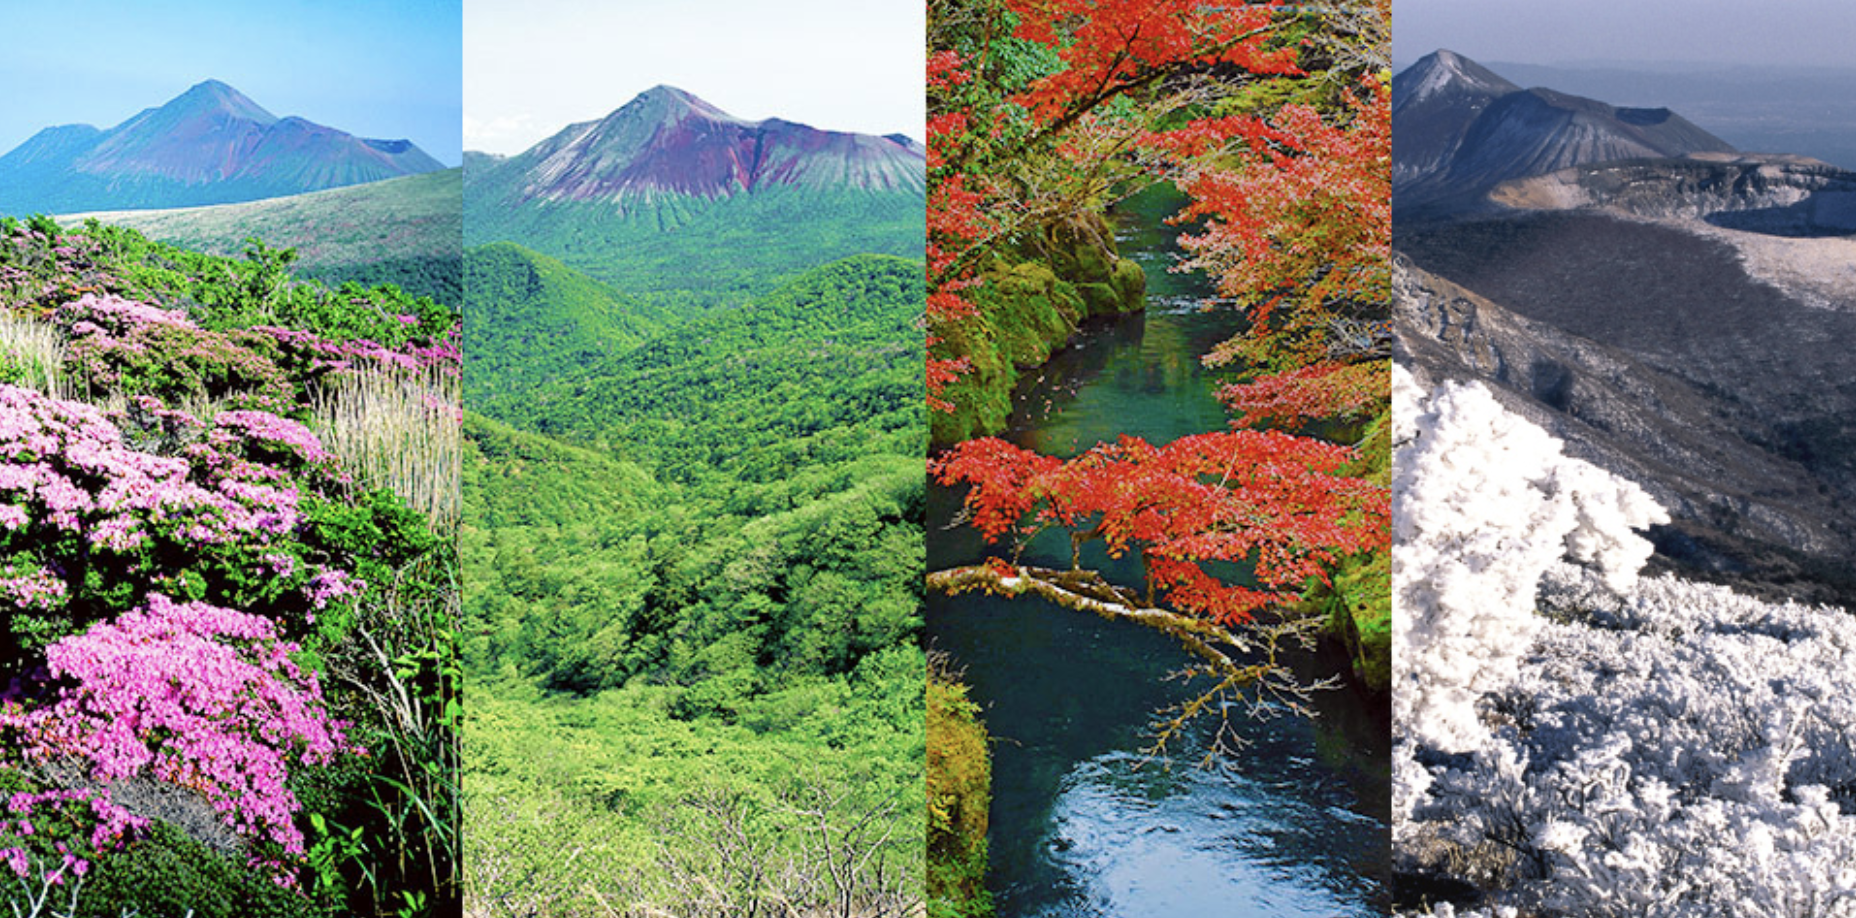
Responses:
[1483,503]
[1644,748]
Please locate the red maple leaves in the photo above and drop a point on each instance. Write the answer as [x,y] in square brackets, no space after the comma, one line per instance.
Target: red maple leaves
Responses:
[1272,500]
[1345,391]
[1303,234]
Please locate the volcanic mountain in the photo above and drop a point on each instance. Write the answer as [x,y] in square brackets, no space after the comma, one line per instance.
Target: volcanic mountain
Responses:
[1679,315]
[1459,129]
[669,142]
[209,145]
[668,177]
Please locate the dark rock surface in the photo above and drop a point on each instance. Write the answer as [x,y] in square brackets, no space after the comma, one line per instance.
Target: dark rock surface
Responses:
[1747,510]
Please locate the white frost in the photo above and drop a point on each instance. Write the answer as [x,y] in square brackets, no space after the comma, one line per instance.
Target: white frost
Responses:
[1626,747]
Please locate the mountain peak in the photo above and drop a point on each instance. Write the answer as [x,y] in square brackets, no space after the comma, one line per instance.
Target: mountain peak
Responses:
[664,103]
[215,96]
[209,145]
[1445,71]
[667,140]
[1458,129]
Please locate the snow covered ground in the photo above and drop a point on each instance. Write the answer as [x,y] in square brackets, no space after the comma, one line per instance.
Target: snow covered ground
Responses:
[1573,740]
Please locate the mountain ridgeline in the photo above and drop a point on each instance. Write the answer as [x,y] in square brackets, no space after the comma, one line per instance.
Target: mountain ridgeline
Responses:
[1460,129]
[532,319]
[632,197]
[209,145]
[402,231]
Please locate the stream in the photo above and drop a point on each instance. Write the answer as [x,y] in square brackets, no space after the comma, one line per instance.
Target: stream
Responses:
[1083,822]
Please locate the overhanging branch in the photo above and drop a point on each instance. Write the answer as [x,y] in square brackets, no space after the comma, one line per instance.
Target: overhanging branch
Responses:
[1245,664]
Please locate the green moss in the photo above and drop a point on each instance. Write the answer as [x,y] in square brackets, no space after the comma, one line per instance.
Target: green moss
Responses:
[1030,302]
[1130,284]
[959,798]
[1359,601]
[169,875]
[1360,612]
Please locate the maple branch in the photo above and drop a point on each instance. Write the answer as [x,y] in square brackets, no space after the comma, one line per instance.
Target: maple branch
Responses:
[1246,665]
[1089,103]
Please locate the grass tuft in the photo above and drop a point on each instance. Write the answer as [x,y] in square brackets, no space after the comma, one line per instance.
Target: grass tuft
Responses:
[399,429]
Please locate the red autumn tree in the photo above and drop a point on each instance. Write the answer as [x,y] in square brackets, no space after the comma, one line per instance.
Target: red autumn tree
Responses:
[1274,121]
[1273,500]
[1044,108]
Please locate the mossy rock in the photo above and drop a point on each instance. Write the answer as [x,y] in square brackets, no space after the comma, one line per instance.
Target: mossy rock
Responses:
[1130,285]
[1359,607]
[1079,247]
[1031,311]
[1100,299]
[1026,312]
[1031,300]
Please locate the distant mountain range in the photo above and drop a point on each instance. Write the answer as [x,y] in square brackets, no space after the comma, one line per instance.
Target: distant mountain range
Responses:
[209,145]
[1770,107]
[633,197]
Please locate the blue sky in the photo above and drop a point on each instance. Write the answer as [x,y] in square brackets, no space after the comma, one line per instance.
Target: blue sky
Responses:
[377,68]
[1789,32]
[533,67]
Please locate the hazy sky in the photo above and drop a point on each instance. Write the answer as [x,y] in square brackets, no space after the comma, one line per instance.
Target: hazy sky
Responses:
[533,67]
[1810,32]
[377,68]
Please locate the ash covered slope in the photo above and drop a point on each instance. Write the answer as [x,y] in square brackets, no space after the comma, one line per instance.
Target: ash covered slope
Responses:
[1766,519]
[1460,129]
[209,145]
[1771,194]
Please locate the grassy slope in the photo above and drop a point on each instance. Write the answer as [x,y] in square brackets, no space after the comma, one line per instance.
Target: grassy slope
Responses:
[400,228]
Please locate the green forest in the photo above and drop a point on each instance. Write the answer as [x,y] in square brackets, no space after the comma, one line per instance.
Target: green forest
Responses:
[692,554]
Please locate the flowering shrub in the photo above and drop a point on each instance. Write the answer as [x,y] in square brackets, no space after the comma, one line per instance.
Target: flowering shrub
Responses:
[194,695]
[136,349]
[311,355]
[1649,747]
[184,569]
[39,262]
[89,526]
[49,837]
